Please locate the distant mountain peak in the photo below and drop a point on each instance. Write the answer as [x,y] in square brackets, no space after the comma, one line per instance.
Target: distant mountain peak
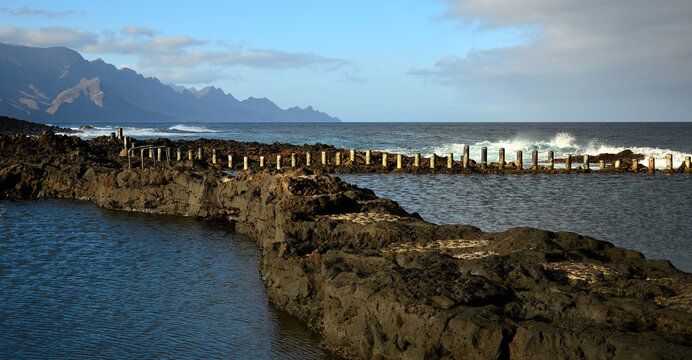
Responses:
[209,91]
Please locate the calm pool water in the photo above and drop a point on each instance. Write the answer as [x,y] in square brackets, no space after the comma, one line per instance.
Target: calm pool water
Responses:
[82,282]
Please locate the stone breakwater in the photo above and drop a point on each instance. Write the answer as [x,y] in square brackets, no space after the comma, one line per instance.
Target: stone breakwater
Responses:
[378,282]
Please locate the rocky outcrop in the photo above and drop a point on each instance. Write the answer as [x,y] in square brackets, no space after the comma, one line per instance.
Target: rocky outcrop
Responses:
[378,282]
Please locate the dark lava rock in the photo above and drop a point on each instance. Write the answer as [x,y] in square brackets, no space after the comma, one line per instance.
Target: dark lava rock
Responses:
[12,126]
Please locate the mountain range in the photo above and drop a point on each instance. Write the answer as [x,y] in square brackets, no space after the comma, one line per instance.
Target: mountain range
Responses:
[57,85]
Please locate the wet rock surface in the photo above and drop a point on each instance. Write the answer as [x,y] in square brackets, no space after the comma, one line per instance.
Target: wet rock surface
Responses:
[379,282]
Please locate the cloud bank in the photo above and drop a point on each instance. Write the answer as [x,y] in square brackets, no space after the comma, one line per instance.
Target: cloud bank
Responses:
[25,10]
[175,58]
[603,54]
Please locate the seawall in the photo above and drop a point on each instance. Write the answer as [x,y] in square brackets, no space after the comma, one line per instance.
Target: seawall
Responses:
[379,282]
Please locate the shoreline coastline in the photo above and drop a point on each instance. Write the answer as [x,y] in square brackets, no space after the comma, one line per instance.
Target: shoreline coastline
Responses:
[358,267]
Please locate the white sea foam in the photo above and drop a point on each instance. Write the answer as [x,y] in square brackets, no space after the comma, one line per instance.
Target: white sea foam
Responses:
[179,130]
[561,144]
[191,129]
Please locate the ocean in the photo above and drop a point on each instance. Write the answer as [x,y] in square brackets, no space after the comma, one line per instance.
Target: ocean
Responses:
[81,281]
[651,139]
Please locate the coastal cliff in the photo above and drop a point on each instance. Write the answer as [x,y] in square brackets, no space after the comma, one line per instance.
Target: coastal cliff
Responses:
[378,282]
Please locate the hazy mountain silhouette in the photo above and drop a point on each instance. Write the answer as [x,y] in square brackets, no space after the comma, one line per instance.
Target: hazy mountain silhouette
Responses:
[57,85]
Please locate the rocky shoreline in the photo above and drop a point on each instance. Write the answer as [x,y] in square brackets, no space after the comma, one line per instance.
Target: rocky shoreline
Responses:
[376,281]
[12,126]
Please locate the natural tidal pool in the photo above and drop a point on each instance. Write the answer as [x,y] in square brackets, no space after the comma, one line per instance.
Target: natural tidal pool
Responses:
[647,213]
[78,281]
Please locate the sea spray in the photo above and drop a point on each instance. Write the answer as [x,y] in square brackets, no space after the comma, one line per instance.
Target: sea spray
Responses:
[561,144]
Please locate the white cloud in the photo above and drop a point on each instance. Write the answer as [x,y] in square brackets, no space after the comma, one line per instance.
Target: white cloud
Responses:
[138,31]
[580,52]
[264,58]
[24,10]
[193,77]
[49,36]
[180,59]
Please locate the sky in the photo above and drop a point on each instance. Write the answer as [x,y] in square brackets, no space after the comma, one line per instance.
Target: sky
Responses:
[404,60]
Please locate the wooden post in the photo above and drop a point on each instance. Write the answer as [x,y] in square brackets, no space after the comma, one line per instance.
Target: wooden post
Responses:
[151,153]
[601,164]
[520,160]
[141,153]
[484,157]
[635,165]
[120,133]
[168,156]
[586,162]
[652,165]
[158,154]
[687,163]
[450,160]
[432,161]
[416,160]
[324,158]
[367,157]
[213,156]
[189,155]
[551,160]
[230,161]
[398,161]
[353,156]
[384,160]
[278,162]
[568,162]
[669,162]
[501,161]
[200,154]
[308,160]
[534,159]
[178,154]
[293,159]
[617,164]
[337,159]
[125,142]
[465,159]
[245,163]
[261,161]
[112,135]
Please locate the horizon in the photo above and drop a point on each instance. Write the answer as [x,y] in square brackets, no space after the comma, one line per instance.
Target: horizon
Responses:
[431,61]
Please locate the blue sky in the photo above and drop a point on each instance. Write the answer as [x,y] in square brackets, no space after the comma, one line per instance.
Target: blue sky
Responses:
[425,60]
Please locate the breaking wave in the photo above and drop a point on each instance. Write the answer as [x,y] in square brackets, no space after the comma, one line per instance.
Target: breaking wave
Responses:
[561,144]
[175,131]
[191,129]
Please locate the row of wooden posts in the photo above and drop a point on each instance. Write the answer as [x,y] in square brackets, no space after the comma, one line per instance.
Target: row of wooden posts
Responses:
[399,158]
